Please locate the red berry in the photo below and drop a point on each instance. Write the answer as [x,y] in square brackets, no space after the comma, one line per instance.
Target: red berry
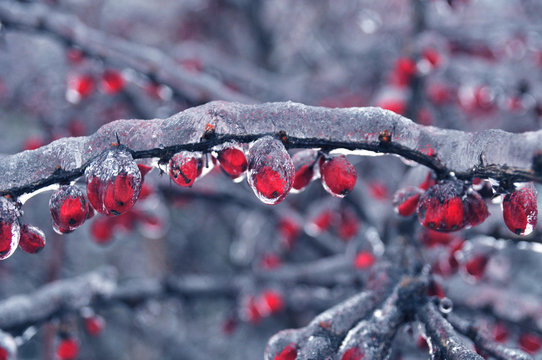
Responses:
[270,302]
[398,106]
[500,332]
[119,194]
[67,349]
[348,225]
[33,143]
[441,208]
[475,209]
[10,231]
[289,230]
[184,168]
[32,239]
[112,82]
[304,168]
[364,260]
[530,343]
[113,182]
[232,161]
[75,55]
[79,87]
[270,261]
[102,230]
[251,310]
[404,70]
[378,190]
[431,238]
[322,222]
[406,200]
[94,324]
[353,353]
[288,353]
[338,176]
[69,208]
[476,266]
[270,170]
[432,56]
[4,354]
[520,211]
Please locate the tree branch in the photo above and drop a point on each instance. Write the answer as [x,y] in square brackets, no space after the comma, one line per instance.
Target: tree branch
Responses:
[506,156]
[443,337]
[484,342]
[144,59]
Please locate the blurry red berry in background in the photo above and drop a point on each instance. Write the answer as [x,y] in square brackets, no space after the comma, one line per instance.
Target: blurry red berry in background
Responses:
[67,349]
[112,81]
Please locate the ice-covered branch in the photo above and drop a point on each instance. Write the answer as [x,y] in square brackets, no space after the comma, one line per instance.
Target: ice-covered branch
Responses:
[484,342]
[144,59]
[19,312]
[490,153]
[446,342]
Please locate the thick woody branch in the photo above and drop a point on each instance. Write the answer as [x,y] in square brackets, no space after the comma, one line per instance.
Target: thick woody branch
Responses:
[484,342]
[443,337]
[491,153]
[144,59]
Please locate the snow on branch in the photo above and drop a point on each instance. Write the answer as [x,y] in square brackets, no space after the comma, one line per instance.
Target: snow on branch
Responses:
[496,154]
[144,59]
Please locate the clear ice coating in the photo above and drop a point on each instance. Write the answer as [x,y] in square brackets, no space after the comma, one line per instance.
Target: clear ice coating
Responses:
[69,208]
[113,182]
[10,230]
[457,150]
[270,170]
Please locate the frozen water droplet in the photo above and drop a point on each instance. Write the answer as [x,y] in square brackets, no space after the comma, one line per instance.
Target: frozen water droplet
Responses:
[270,170]
[113,182]
[10,232]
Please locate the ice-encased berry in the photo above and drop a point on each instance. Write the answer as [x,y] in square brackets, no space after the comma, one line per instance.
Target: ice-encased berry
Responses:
[304,162]
[113,182]
[32,239]
[520,211]
[10,231]
[405,201]
[270,170]
[232,160]
[69,208]
[441,207]
[184,167]
[475,209]
[338,176]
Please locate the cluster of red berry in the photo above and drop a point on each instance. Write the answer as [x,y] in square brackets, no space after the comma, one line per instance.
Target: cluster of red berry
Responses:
[451,205]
